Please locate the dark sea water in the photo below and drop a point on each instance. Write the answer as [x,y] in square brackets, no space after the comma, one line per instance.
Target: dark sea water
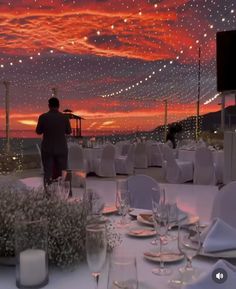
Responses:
[21,145]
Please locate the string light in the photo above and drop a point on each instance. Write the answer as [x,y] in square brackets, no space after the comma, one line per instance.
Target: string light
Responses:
[173,79]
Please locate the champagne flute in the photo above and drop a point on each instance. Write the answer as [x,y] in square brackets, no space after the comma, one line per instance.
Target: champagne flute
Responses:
[160,215]
[158,197]
[189,245]
[96,248]
[122,201]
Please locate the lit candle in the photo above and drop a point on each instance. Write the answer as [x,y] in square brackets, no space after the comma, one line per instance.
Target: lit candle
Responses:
[33,269]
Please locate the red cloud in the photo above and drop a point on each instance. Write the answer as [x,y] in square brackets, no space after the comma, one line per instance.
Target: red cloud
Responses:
[72,28]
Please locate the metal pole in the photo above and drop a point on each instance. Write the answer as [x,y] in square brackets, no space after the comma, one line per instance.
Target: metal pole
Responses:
[198,94]
[222,112]
[165,119]
[7,109]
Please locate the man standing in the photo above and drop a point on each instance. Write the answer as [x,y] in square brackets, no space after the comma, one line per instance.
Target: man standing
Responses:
[54,126]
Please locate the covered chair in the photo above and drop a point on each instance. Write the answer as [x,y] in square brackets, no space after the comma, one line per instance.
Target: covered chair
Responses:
[141,189]
[204,167]
[224,204]
[163,161]
[177,172]
[105,166]
[153,153]
[77,167]
[76,159]
[140,156]
[125,164]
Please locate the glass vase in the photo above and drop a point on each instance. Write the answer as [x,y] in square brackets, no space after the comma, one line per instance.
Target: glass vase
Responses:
[31,254]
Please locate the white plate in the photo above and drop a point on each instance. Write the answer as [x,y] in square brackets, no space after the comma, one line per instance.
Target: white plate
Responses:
[220,254]
[135,212]
[186,220]
[141,232]
[167,257]
[109,209]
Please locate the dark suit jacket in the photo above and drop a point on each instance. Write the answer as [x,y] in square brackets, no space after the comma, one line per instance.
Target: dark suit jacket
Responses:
[54,126]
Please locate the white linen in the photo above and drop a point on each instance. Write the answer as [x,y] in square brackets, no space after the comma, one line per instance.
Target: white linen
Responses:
[76,158]
[176,171]
[125,164]
[140,156]
[142,189]
[224,204]
[154,155]
[206,281]
[218,157]
[218,236]
[204,167]
[194,199]
[90,155]
[105,166]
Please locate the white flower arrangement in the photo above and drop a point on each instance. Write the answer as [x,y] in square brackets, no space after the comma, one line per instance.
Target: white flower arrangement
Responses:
[66,223]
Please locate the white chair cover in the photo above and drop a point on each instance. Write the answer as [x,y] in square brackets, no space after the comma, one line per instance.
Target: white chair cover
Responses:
[177,171]
[163,161]
[105,166]
[140,156]
[204,168]
[141,189]
[118,147]
[76,159]
[224,204]
[153,153]
[125,164]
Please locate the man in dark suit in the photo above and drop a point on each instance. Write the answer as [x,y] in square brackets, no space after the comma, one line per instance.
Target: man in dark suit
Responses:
[54,126]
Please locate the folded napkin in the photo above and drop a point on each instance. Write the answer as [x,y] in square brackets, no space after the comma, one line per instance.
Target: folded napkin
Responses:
[218,236]
[206,281]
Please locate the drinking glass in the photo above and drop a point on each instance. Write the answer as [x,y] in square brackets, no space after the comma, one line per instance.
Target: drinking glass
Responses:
[122,273]
[158,197]
[160,216]
[189,245]
[173,215]
[96,248]
[122,201]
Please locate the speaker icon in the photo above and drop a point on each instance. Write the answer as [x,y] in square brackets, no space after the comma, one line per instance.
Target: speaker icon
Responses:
[219,275]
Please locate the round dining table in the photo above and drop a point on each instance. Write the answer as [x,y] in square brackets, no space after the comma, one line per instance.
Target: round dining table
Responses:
[193,199]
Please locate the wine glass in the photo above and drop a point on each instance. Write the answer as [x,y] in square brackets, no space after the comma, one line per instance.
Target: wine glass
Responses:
[158,197]
[160,216]
[173,214]
[122,201]
[189,245]
[96,248]
[122,273]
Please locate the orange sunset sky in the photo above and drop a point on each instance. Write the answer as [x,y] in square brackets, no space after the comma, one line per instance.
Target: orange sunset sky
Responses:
[112,62]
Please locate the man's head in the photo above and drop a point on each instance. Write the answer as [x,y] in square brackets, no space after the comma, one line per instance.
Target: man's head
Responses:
[53,103]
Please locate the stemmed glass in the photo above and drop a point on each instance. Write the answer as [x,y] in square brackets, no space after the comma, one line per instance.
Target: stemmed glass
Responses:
[122,201]
[160,216]
[96,248]
[158,197]
[189,245]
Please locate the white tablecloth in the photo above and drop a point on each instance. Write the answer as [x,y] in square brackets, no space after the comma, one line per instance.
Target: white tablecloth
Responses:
[194,199]
[218,156]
